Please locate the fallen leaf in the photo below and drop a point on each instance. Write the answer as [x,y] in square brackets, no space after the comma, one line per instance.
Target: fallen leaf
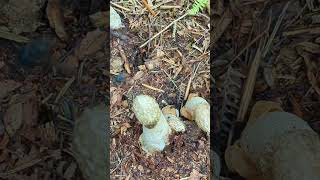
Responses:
[100,19]
[13,118]
[8,86]
[124,127]
[138,75]
[69,66]
[13,36]
[115,98]
[170,109]
[195,175]
[269,75]
[92,43]
[56,19]
[296,106]
[23,15]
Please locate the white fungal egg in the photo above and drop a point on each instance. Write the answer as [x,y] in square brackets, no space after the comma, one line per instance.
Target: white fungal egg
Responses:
[175,123]
[198,109]
[146,110]
[202,117]
[90,142]
[156,130]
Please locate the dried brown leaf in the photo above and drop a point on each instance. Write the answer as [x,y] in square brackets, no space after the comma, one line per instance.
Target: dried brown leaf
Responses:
[23,15]
[56,19]
[249,86]
[8,86]
[195,175]
[13,118]
[92,43]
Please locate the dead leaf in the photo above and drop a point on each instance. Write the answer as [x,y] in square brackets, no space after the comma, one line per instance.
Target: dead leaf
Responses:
[195,175]
[170,109]
[23,15]
[269,75]
[124,127]
[4,140]
[30,109]
[296,106]
[69,66]
[56,19]
[100,19]
[13,37]
[115,98]
[150,65]
[92,43]
[8,86]
[13,118]
[138,75]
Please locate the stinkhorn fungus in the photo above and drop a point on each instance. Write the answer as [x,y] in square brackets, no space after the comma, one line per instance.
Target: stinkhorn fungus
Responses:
[174,121]
[156,129]
[197,109]
[90,143]
[275,145]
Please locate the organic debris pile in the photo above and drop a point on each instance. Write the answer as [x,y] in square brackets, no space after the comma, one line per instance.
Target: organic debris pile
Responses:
[264,50]
[155,54]
[53,66]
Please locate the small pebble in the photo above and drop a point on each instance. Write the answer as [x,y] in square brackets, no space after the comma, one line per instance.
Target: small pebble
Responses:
[120,78]
[34,53]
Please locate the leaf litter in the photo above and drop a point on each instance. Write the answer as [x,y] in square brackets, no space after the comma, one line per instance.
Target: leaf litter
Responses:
[283,37]
[52,69]
[161,68]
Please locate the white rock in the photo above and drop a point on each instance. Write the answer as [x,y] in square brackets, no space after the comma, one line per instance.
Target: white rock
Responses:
[115,19]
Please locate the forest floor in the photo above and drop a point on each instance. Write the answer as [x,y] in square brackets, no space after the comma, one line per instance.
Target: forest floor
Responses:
[280,41]
[53,64]
[162,70]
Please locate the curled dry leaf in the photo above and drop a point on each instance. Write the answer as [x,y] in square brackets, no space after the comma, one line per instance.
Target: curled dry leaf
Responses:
[56,19]
[92,43]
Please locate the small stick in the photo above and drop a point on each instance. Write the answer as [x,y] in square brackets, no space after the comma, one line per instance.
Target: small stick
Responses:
[120,7]
[64,89]
[153,88]
[170,7]
[189,83]
[149,7]
[167,27]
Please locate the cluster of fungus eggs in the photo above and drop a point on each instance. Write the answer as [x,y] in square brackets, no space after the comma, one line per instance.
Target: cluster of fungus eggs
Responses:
[158,125]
